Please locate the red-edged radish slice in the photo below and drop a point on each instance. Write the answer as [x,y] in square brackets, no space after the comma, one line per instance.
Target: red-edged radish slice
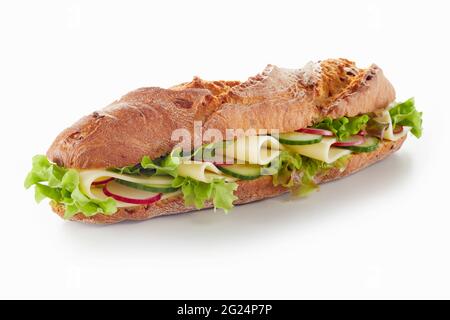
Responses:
[351,141]
[398,129]
[100,182]
[322,132]
[139,197]
[362,133]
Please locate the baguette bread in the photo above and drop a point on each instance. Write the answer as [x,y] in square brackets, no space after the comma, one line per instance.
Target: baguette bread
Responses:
[141,123]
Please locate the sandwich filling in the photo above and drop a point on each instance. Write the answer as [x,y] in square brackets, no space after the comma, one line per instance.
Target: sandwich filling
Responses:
[210,173]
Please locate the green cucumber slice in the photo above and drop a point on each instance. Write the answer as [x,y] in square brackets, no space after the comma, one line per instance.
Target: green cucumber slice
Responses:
[159,188]
[371,144]
[299,138]
[242,171]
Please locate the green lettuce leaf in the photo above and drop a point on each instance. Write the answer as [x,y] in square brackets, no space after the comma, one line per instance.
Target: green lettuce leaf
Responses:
[310,169]
[196,193]
[344,127]
[298,172]
[135,170]
[405,114]
[62,186]
[287,165]
[162,166]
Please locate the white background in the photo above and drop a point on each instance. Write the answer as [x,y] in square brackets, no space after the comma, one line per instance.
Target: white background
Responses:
[383,233]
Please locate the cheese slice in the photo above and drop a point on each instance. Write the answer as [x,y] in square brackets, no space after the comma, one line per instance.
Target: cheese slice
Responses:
[87,177]
[252,149]
[322,151]
[201,171]
[389,134]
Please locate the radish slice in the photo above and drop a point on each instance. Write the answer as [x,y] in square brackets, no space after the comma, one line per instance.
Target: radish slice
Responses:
[362,133]
[100,182]
[398,129]
[351,141]
[129,195]
[322,132]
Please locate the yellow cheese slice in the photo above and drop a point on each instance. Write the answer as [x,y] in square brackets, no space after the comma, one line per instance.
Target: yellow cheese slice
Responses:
[87,177]
[322,151]
[253,149]
[198,170]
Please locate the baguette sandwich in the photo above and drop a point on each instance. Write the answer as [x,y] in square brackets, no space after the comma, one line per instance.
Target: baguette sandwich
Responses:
[216,144]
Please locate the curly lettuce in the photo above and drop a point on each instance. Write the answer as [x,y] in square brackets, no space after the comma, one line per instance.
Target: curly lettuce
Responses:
[344,127]
[167,165]
[286,166]
[405,114]
[298,172]
[196,193]
[62,186]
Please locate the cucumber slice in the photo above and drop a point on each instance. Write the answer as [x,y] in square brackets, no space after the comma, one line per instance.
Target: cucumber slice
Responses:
[158,188]
[299,138]
[371,144]
[242,171]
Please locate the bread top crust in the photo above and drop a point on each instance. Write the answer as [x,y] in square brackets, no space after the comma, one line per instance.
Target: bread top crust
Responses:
[142,122]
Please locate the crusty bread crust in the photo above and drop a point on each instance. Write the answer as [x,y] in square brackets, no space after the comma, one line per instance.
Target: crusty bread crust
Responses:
[286,100]
[142,122]
[248,191]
